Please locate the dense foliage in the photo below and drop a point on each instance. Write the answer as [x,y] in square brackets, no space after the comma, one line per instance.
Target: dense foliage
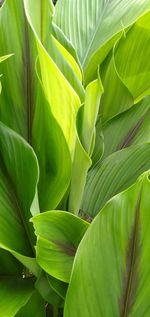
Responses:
[74,158]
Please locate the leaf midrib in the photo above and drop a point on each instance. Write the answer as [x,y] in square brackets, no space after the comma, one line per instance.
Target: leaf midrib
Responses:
[91,40]
[129,137]
[133,249]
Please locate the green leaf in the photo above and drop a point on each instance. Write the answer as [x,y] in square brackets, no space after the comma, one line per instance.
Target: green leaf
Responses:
[14,293]
[58,286]
[34,307]
[116,98]
[58,53]
[64,41]
[80,167]
[14,98]
[18,181]
[112,261]
[90,25]
[59,234]
[86,121]
[9,266]
[124,135]
[70,59]
[16,266]
[132,58]
[46,291]
[53,156]
[2,58]
[23,105]
[29,263]
[14,290]
[56,88]
[116,173]
[131,127]
[93,95]
[65,117]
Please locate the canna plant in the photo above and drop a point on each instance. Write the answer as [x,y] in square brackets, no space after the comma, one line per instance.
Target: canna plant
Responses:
[74,158]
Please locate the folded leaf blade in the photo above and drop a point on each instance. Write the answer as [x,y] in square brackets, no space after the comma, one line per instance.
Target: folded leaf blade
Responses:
[135,69]
[59,234]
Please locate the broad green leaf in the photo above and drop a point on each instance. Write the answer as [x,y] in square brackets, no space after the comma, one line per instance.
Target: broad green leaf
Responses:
[114,174]
[112,261]
[132,58]
[53,155]
[118,134]
[58,235]
[89,25]
[131,127]
[60,56]
[34,307]
[14,293]
[14,100]
[66,117]
[18,181]
[23,105]
[57,89]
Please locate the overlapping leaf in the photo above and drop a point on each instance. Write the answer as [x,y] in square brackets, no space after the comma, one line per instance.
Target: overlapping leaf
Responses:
[86,121]
[132,58]
[18,181]
[112,262]
[116,98]
[118,134]
[91,24]
[23,105]
[14,293]
[34,307]
[14,290]
[59,234]
[116,173]
[46,291]
[131,127]
[54,86]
